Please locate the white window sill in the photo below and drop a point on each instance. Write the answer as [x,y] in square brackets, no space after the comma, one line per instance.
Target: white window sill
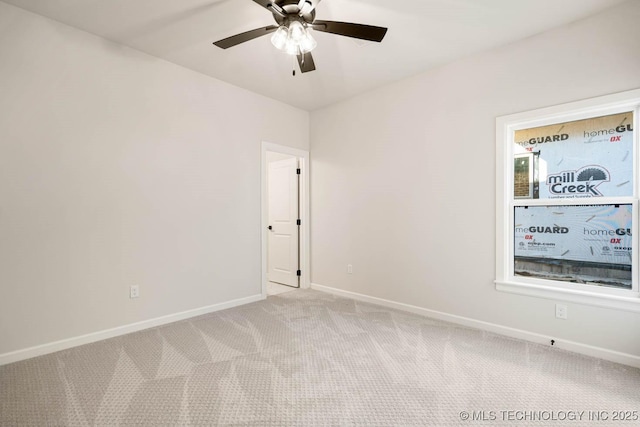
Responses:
[580,297]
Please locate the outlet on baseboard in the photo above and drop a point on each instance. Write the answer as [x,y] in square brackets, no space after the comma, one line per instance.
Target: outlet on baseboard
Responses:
[134,291]
[561,311]
[349,269]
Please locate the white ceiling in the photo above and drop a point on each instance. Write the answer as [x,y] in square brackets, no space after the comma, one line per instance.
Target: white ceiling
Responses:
[422,34]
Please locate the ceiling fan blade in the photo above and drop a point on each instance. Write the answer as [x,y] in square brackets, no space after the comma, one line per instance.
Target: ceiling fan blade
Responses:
[348,29]
[271,6]
[264,3]
[305,60]
[245,37]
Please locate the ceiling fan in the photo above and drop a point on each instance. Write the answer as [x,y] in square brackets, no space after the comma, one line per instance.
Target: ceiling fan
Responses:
[291,35]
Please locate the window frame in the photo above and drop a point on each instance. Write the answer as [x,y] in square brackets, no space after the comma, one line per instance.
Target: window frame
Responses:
[506,201]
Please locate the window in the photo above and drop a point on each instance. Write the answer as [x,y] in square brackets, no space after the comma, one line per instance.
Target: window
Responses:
[567,202]
[523,179]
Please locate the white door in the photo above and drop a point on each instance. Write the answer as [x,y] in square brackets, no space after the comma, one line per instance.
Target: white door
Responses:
[282,256]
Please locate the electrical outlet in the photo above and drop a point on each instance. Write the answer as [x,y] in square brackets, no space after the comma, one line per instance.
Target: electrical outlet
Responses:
[134,291]
[561,311]
[349,269]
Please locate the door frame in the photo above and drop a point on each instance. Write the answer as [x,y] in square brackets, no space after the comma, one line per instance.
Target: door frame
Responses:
[303,161]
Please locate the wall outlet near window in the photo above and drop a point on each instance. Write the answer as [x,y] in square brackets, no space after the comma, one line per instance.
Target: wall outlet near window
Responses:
[134,291]
[561,311]
[349,269]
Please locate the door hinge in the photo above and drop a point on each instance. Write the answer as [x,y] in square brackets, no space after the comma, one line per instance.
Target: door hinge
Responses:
[298,171]
[299,222]
[298,273]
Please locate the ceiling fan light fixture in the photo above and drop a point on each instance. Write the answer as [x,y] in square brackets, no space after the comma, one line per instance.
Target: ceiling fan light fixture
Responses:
[293,38]
[291,47]
[279,38]
[296,31]
[308,43]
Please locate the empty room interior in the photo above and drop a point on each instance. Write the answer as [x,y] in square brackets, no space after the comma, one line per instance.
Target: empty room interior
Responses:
[336,212]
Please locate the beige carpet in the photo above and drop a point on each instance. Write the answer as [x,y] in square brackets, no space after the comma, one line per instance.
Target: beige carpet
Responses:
[307,358]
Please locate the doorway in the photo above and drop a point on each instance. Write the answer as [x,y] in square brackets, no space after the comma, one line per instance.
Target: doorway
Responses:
[285,219]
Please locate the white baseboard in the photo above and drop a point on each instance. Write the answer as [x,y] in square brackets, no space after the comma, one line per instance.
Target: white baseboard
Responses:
[52,347]
[576,347]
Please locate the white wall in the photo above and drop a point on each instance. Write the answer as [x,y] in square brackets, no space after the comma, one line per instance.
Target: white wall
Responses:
[403,178]
[117,168]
